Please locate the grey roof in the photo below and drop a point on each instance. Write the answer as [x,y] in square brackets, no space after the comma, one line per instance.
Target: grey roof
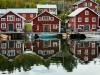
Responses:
[78,2]
[20,10]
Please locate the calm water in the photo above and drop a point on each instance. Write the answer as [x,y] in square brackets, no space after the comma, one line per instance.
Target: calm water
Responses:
[50,56]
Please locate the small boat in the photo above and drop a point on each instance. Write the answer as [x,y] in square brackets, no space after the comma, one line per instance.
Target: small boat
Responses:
[47,35]
[94,35]
[46,39]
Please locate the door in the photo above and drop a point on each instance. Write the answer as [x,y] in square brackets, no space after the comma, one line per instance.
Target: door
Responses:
[46,28]
[86,27]
[10,26]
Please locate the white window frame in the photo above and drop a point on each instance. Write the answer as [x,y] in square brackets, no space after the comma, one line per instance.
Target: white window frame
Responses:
[19,25]
[2,45]
[54,26]
[54,44]
[93,45]
[11,53]
[39,18]
[86,12]
[93,52]
[52,18]
[93,26]
[45,18]
[18,45]
[11,16]
[85,58]
[78,52]
[3,24]
[18,19]
[93,19]
[3,19]
[86,19]
[79,19]
[31,15]
[3,51]
[19,51]
[85,4]
[86,52]
[90,4]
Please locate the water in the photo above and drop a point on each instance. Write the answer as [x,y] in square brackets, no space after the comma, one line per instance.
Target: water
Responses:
[50,56]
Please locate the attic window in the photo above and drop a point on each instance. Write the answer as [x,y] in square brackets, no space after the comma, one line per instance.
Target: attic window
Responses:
[52,18]
[85,4]
[3,19]
[39,18]
[90,4]
[86,12]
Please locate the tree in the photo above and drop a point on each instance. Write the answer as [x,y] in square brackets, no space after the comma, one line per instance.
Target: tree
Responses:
[28,27]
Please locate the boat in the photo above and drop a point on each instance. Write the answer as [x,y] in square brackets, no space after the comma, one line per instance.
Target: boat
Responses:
[93,35]
[47,35]
[46,39]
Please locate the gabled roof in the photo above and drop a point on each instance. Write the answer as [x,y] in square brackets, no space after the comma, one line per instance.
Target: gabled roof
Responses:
[83,1]
[20,10]
[46,12]
[79,10]
[15,14]
[46,6]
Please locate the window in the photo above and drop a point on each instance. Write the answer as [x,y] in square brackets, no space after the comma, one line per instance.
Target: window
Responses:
[85,58]
[72,19]
[93,19]
[86,52]
[11,44]
[79,19]
[37,44]
[86,12]
[24,15]
[3,25]
[86,44]
[19,51]
[18,45]
[39,18]
[18,25]
[93,26]
[11,53]
[78,51]
[90,4]
[3,45]
[85,4]
[93,52]
[3,19]
[86,19]
[52,18]
[10,18]
[18,19]
[54,44]
[54,26]
[3,51]
[46,18]
[47,44]
[93,45]
[31,15]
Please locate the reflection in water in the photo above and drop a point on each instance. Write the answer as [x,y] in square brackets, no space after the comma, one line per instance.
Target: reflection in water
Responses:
[17,55]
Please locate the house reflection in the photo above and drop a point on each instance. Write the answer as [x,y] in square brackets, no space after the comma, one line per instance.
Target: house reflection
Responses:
[11,48]
[84,50]
[46,48]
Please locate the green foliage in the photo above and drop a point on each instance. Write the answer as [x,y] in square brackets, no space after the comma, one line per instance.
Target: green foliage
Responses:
[28,27]
[39,11]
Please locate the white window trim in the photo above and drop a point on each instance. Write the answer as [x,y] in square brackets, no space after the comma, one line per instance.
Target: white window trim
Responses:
[31,15]
[18,19]
[39,18]
[18,27]
[85,58]
[86,52]
[2,46]
[3,19]
[86,12]
[44,19]
[90,4]
[19,51]
[24,15]
[79,19]
[78,52]
[93,18]
[93,26]
[86,19]
[93,45]
[3,51]
[3,23]
[10,20]
[10,53]
[54,44]
[52,18]
[93,52]
[19,45]
[54,26]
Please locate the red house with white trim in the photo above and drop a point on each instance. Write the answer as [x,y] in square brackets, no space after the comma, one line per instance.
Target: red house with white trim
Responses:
[83,19]
[27,13]
[86,3]
[11,22]
[46,48]
[84,50]
[46,22]
[12,48]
